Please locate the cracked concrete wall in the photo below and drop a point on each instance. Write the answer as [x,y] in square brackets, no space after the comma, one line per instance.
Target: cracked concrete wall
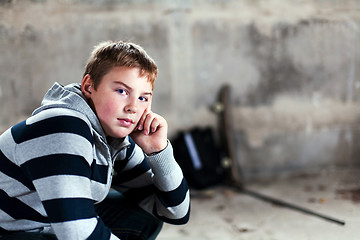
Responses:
[293,67]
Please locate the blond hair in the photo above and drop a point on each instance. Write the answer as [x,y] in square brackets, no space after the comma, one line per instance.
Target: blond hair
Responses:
[109,54]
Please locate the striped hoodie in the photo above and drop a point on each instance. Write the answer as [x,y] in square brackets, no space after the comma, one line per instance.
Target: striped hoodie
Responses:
[57,164]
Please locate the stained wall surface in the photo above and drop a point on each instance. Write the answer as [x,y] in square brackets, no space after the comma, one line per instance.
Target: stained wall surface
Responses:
[293,67]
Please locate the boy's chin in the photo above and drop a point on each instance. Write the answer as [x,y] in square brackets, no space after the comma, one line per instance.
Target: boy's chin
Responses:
[119,134]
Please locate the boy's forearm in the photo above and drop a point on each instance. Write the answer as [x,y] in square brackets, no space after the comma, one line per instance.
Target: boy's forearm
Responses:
[173,195]
[167,173]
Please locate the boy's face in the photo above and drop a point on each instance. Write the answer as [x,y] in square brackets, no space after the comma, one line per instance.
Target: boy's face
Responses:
[120,100]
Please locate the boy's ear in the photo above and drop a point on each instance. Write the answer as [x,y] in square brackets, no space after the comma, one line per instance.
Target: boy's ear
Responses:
[87,86]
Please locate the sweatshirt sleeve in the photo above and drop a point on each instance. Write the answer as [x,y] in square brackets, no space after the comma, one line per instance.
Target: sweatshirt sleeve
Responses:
[56,154]
[157,183]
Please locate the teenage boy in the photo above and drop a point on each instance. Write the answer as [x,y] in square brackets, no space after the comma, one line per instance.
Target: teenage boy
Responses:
[57,167]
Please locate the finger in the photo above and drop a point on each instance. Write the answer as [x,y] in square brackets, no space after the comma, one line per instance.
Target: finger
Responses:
[154,125]
[142,119]
[148,122]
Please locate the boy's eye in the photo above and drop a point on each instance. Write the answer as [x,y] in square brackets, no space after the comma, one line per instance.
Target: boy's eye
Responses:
[121,91]
[144,99]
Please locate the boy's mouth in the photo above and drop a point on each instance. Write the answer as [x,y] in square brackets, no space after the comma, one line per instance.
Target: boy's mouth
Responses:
[126,122]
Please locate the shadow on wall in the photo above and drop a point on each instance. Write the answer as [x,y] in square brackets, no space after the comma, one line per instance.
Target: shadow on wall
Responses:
[295,92]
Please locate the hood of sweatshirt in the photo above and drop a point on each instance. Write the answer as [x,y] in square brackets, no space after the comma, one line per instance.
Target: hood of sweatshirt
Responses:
[70,97]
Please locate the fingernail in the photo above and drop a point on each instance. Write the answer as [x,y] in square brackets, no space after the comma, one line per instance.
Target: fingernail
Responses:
[140,127]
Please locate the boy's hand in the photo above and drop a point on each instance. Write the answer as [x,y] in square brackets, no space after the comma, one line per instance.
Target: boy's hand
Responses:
[151,133]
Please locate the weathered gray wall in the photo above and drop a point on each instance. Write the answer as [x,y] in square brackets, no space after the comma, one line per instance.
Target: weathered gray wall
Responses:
[294,68]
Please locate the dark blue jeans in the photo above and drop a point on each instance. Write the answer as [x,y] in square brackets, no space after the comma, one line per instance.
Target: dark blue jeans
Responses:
[126,220]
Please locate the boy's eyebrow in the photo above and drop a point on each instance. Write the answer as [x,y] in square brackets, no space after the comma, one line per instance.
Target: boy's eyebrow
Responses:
[128,87]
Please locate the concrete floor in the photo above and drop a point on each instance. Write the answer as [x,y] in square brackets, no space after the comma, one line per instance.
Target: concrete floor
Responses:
[222,213]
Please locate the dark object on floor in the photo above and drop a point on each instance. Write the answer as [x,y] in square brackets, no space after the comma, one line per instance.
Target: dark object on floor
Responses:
[199,157]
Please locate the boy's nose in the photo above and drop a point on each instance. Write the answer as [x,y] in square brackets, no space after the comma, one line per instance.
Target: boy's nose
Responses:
[130,110]
[131,107]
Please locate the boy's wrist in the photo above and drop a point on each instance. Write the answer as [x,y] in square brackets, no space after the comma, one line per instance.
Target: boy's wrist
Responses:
[154,153]
[157,152]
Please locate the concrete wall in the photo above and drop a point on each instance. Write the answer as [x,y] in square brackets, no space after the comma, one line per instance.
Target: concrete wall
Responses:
[293,67]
